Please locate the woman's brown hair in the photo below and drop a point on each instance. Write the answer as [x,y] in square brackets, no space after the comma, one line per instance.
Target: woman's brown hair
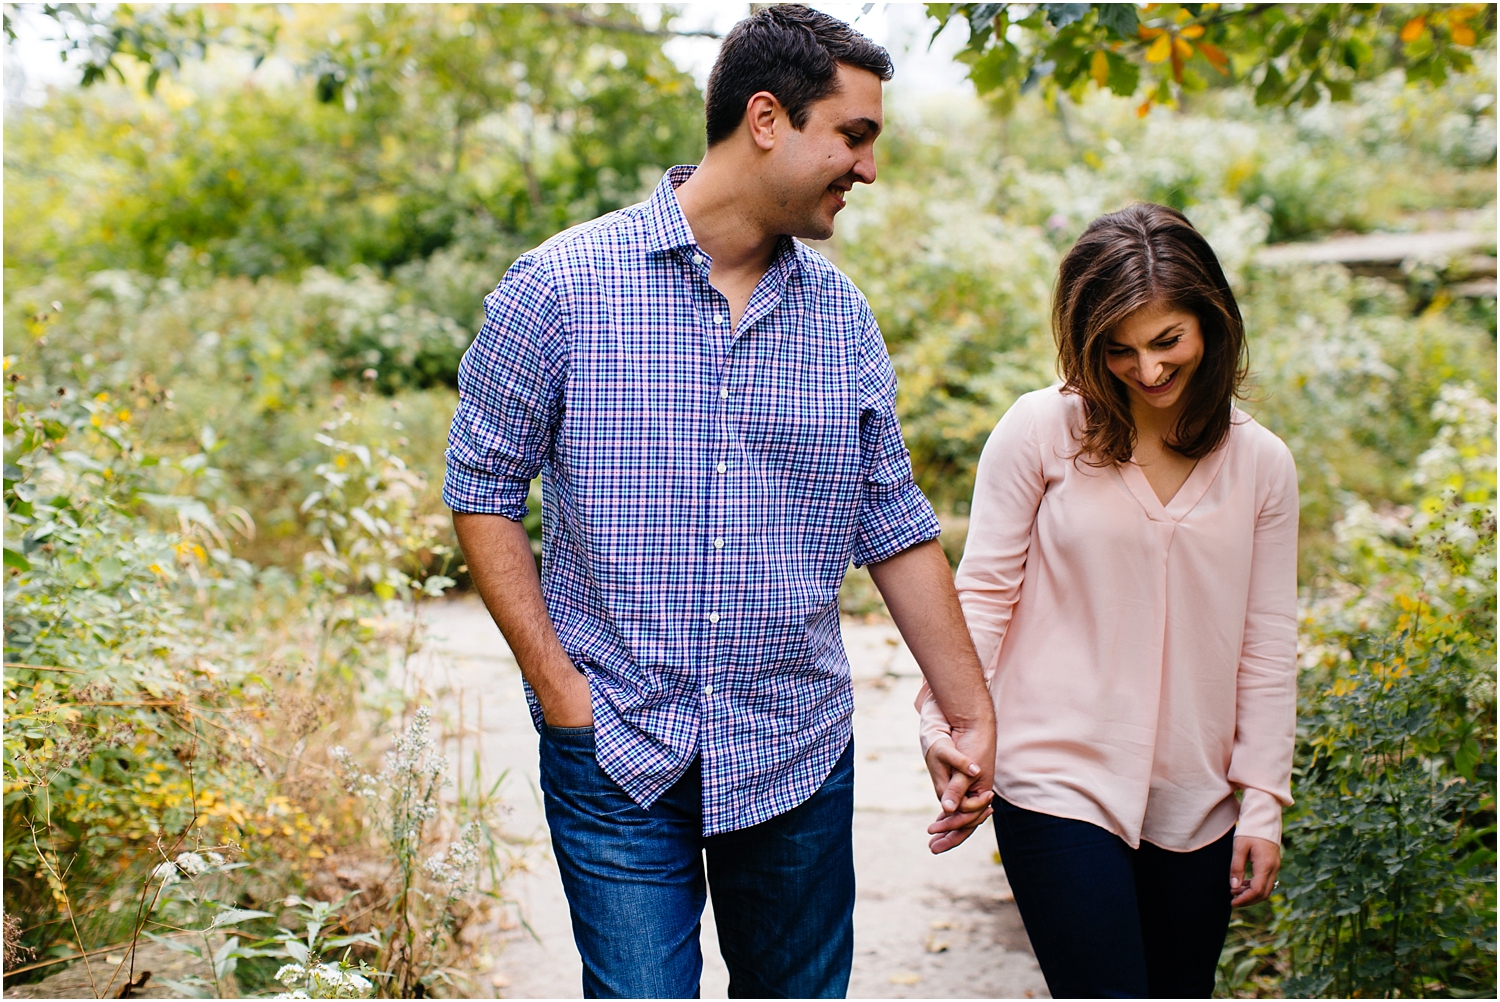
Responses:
[1141,256]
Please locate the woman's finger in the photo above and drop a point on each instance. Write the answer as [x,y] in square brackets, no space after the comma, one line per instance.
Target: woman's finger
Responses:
[956,820]
[975,800]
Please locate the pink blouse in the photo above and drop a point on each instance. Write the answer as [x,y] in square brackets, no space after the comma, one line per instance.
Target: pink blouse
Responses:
[1142,657]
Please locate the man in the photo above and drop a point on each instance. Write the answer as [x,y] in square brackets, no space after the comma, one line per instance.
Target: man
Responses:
[712,411]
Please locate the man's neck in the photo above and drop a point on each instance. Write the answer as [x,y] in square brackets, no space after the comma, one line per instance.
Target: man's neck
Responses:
[724,220]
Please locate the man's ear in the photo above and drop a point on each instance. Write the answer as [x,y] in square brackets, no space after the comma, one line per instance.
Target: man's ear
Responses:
[761,114]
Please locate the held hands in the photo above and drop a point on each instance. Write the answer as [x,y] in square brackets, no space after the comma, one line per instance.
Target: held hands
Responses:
[963,786]
[1264,857]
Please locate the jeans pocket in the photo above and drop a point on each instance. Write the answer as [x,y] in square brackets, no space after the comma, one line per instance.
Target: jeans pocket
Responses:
[570,732]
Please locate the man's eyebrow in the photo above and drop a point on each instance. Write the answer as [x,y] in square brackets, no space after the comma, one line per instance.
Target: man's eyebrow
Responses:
[861,125]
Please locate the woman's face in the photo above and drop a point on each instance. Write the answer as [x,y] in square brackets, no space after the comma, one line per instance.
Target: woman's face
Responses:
[1155,352]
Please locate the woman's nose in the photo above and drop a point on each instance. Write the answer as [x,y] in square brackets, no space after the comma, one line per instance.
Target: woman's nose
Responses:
[1150,369]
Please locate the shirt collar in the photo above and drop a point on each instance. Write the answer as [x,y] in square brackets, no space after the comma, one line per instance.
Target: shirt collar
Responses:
[668,230]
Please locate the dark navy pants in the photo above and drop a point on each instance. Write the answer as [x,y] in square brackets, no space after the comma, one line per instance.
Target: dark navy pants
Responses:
[783,890]
[1109,921]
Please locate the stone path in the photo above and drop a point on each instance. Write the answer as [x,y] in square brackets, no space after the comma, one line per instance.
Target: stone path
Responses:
[924,926]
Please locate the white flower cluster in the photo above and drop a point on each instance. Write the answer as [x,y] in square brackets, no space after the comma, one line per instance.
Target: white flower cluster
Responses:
[324,981]
[189,864]
[355,779]
[414,755]
[457,866]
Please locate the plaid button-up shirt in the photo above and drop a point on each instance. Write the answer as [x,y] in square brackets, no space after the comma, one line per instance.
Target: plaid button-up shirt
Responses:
[704,490]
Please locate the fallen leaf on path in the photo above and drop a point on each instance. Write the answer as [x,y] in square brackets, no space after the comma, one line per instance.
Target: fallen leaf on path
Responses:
[905,978]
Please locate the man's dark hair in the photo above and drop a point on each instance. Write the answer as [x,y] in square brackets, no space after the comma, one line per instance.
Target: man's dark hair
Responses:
[791,51]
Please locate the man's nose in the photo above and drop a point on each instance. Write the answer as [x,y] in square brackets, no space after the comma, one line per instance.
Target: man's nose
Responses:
[864,168]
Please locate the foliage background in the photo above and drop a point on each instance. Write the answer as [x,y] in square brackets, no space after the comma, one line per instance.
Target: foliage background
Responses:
[233,312]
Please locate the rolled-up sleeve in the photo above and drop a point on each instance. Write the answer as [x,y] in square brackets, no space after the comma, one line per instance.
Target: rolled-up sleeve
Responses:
[509,396]
[894,514]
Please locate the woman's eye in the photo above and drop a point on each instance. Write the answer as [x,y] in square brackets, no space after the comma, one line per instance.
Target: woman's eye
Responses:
[1170,342]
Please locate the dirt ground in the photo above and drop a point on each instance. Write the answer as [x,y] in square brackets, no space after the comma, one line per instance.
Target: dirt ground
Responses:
[924,926]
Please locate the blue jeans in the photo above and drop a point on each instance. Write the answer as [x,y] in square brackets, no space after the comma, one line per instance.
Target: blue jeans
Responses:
[783,890]
[1109,921]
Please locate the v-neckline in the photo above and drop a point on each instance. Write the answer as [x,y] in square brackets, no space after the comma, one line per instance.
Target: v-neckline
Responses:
[1188,494]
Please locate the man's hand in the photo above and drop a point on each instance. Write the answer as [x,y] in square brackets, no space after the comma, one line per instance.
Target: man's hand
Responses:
[1264,857]
[568,703]
[503,570]
[965,804]
[917,586]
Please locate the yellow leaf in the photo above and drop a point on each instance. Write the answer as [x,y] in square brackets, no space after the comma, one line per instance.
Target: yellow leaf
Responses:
[1147,33]
[1160,49]
[1099,68]
[1412,30]
[1182,50]
[1463,35]
[1215,56]
[1144,109]
[1193,31]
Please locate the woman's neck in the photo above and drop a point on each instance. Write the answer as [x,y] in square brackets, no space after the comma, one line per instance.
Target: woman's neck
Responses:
[1154,426]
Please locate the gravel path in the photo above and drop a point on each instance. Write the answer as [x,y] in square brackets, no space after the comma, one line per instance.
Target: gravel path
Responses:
[924,926]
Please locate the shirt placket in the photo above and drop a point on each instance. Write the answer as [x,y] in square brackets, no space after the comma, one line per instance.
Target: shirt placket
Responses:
[719,457]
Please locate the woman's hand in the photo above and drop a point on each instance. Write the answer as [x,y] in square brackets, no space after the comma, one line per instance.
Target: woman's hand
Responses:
[965,805]
[1264,857]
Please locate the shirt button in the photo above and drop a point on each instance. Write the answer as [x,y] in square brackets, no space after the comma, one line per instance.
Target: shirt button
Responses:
[719,543]
[713,617]
[722,467]
[723,393]
[697,258]
[708,690]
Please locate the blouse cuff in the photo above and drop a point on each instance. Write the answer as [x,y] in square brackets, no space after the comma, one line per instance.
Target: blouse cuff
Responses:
[933,724]
[1260,816]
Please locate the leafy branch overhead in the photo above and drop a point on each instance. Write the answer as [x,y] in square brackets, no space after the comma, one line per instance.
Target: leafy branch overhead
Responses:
[1289,53]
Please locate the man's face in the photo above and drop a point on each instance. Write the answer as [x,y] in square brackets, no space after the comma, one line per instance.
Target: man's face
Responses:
[814,167]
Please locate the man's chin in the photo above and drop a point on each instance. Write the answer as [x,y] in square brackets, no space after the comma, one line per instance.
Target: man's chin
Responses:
[814,229]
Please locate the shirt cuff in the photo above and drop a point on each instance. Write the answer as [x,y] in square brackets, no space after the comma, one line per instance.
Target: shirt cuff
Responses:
[477,492]
[898,521]
[1260,816]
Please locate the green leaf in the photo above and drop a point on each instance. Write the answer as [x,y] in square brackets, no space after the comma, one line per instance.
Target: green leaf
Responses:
[1120,18]
[982,14]
[1124,75]
[1271,88]
[1060,15]
[190,990]
[14,559]
[233,916]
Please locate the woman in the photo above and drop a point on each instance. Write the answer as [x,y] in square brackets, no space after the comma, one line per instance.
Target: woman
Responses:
[1130,581]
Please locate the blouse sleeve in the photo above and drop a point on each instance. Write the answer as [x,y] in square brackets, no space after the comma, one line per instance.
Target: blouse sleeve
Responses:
[1266,685]
[1008,489]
